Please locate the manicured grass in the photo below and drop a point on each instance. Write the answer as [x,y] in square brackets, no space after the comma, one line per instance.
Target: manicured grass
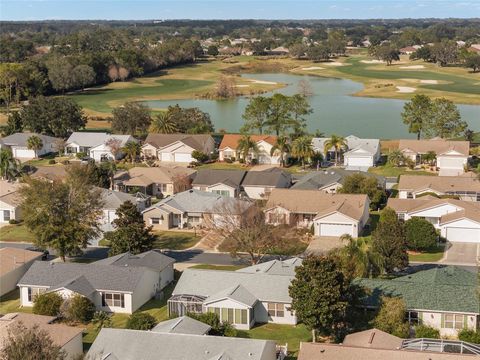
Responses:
[175,240]
[16,233]
[10,302]
[282,334]
[393,171]
[218,267]
[432,255]
[44,161]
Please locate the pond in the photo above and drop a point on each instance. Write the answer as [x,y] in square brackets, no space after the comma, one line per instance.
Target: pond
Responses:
[335,111]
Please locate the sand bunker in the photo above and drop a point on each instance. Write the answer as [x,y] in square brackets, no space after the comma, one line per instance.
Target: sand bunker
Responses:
[242,85]
[372,61]
[334,63]
[405,89]
[312,68]
[413,67]
[429,81]
[264,82]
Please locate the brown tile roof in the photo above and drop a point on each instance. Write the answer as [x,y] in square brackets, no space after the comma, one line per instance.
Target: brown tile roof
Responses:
[143,176]
[12,258]
[373,338]
[439,146]
[59,333]
[195,141]
[8,187]
[320,351]
[316,202]
[231,140]
[438,183]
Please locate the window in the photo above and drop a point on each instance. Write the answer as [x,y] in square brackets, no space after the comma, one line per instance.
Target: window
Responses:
[6,215]
[454,321]
[225,193]
[240,316]
[33,292]
[401,216]
[413,318]
[409,195]
[115,299]
[230,316]
[276,309]
[155,221]
[163,187]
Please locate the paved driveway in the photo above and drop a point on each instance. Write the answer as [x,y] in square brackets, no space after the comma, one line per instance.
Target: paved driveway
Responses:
[462,254]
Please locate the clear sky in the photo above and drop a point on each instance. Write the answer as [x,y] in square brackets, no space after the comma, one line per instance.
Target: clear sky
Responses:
[235,9]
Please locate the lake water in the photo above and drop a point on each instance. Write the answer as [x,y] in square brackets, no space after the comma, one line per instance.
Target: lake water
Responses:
[335,111]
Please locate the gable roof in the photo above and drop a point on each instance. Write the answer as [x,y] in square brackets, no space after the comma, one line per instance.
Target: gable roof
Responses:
[20,139]
[231,140]
[93,139]
[373,338]
[150,345]
[439,146]
[12,258]
[275,267]
[206,283]
[210,177]
[79,285]
[236,293]
[353,143]
[112,199]
[269,177]
[144,176]
[151,259]
[195,141]
[182,325]
[316,180]
[448,288]
[8,187]
[317,202]
[439,183]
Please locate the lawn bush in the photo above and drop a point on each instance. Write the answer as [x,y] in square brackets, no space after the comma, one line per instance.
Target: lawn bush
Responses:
[51,161]
[47,304]
[141,321]
[218,328]
[79,309]
[420,233]
[424,331]
[12,222]
[470,336]
[80,155]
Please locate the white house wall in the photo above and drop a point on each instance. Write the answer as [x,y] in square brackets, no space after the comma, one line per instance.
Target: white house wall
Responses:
[456,163]
[472,227]
[261,315]
[148,286]
[256,192]
[337,218]
[434,319]
[15,212]
[434,213]
[230,304]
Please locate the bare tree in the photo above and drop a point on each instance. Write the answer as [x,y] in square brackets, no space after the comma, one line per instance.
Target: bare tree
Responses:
[115,146]
[181,182]
[59,146]
[123,73]
[225,87]
[113,72]
[305,88]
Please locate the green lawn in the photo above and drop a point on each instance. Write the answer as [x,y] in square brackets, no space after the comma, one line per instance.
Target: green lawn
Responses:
[393,171]
[218,267]
[11,303]
[175,240]
[16,233]
[224,166]
[289,334]
[432,255]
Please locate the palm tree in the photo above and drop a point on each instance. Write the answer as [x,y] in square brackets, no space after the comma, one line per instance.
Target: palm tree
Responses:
[338,143]
[163,124]
[282,146]
[9,167]
[246,145]
[395,157]
[302,149]
[132,150]
[34,143]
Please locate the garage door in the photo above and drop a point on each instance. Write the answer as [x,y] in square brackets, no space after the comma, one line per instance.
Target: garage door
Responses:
[165,157]
[359,161]
[451,163]
[335,229]
[185,158]
[463,235]
[23,153]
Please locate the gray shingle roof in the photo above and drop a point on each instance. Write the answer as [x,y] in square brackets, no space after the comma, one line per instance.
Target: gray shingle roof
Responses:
[20,139]
[150,259]
[79,285]
[275,267]
[101,277]
[112,200]
[269,177]
[92,139]
[263,286]
[149,345]
[182,325]
[209,177]
[353,142]
[236,293]
[319,179]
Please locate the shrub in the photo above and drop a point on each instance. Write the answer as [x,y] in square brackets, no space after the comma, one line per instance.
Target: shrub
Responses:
[391,317]
[79,309]
[233,159]
[12,221]
[228,161]
[199,156]
[420,234]
[141,321]
[102,319]
[65,162]
[241,161]
[470,336]
[424,331]
[51,161]
[254,162]
[80,155]
[47,304]
[218,328]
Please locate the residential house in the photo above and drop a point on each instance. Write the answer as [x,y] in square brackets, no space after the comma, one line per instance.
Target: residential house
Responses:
[218,181]
[441,297]
[243,297]
[458,221]
[14,263]
[413,187]
[125,344]
[359,154]
[10,201]
[193,208]
[182,325]
[159,181]
[280,50]
[373,338]
[96,145]
[121,283]
[329,214]
[229,149]
[177,147]
[68,338]
[259,184]
[18,144]
[408,50]
[330,180]
[452,156]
